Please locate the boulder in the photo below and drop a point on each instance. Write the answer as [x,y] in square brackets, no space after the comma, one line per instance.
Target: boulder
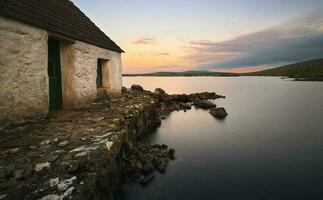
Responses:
[219,113]
[137,88]
[205,104]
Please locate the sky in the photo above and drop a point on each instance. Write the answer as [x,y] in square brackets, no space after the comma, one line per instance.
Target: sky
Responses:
[215,35]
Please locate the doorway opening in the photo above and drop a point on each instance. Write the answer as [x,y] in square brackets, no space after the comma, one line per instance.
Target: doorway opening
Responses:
[54,75]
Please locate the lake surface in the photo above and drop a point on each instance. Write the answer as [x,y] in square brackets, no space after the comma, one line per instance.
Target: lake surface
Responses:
[269,147]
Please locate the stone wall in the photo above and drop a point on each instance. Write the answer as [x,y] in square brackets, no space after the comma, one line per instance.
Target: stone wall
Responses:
[24,78]
[23,71]
[84,73]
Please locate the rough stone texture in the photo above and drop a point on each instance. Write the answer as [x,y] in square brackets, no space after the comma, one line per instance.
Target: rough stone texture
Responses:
[23,71]
[83,153]
[86,57]
[37,162]
[24,78]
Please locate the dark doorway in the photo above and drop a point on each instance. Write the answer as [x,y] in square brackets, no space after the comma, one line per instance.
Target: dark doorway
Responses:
[54,75]
[99,74]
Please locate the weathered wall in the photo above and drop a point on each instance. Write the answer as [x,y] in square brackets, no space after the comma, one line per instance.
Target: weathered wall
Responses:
[23,70]
[24,76]
[84,78]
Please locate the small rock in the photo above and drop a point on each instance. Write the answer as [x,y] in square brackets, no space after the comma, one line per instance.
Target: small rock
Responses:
[205,104]
[219,113]
[146,179]
[41,166]
[63,143]
[52,157]
[14,150]
[44,142]
[32,147]
[137,88]
[3,196]
[18,174]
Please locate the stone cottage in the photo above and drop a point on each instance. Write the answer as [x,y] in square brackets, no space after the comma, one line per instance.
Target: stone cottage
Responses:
[52,56]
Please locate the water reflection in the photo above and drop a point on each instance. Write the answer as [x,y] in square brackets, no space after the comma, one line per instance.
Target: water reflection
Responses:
[269,147]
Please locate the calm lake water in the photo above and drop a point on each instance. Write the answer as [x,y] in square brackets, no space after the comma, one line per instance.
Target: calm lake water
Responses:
[269,147]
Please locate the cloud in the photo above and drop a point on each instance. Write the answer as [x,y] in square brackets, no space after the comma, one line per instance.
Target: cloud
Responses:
[152,53]
[145,40]
[297,40]
[161,54]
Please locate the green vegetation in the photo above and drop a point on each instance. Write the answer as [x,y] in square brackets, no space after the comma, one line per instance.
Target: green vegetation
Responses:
[184,73]
[308,69]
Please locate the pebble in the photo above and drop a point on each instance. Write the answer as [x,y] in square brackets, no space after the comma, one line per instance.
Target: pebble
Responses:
[63,143]
[14,150]
[41,166]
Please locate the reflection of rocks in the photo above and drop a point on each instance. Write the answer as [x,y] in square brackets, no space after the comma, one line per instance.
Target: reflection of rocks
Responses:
[218,113]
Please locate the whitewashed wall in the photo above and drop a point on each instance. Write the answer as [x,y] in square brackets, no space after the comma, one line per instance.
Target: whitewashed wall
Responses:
[85,74]
[23,71]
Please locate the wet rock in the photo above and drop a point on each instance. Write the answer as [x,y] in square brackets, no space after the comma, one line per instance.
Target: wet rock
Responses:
[19,174]
[137,88]
[205,104]
[219,113]
[28,172]
[145,180]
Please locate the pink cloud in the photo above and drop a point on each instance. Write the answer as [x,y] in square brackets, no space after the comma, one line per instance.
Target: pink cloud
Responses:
[145,40]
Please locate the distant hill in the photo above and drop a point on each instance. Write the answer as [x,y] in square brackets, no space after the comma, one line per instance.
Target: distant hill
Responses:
[185,73]
[309,69]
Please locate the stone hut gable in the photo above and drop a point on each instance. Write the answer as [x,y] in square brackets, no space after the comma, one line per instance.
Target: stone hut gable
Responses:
[60,17]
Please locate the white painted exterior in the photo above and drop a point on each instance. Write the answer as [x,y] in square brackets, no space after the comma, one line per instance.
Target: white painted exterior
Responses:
[23,71]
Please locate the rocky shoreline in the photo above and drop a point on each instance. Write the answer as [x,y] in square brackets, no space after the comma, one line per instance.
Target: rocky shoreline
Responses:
[85,153]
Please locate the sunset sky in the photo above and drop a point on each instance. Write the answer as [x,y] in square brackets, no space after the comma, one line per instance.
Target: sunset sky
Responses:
[231,35]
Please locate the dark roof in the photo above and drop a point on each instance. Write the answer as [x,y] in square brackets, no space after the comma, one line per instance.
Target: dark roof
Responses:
[59,17]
